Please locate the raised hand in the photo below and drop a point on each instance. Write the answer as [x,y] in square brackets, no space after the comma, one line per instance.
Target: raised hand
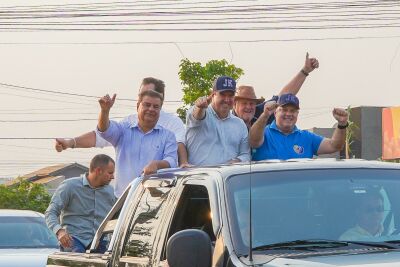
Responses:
[341,115]
[63,143]
[203,101]
[310,64]
[106,102]
[270,107]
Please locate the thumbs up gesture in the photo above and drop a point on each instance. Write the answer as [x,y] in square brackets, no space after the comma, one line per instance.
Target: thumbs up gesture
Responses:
[203,101]
[310,64]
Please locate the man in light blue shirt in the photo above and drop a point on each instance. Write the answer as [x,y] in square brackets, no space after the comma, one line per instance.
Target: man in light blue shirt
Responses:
[141,147]
[80,204]
[283,140]
[214,135]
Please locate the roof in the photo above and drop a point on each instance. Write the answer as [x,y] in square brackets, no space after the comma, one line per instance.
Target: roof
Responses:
[47,174]
[20,213]
[292,164]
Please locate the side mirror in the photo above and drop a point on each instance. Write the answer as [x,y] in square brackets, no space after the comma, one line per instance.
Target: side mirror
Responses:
[188,248]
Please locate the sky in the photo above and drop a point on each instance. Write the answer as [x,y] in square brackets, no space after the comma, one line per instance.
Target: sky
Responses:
[358,48]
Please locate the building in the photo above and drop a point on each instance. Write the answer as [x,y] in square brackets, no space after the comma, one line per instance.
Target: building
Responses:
[51,177]
[367,132]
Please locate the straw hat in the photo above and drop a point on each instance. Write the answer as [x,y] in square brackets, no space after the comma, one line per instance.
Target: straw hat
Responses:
[247,92]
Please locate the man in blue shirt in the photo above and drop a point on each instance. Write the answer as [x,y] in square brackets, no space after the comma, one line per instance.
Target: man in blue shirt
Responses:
[214,135]
[80,204]
[283,140]
[142,146]
[248,107]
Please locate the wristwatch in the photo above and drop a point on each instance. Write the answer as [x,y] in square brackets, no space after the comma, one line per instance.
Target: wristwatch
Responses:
[343,126]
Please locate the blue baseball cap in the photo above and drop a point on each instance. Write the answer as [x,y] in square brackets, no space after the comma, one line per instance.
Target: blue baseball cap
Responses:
[224,83]
[289,99]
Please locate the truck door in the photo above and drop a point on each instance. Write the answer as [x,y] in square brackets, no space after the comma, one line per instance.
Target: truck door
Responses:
[144,226]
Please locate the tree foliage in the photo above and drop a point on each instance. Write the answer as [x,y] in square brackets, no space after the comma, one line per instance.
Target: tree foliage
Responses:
[197,80]
[24,196]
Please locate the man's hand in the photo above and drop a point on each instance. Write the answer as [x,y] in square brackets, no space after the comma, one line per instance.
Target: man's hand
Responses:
[269,108]
[64,238]
[310,64]
[150,168]
[203,101]
[341,115]
[63,143]
[106,102]
[185,165]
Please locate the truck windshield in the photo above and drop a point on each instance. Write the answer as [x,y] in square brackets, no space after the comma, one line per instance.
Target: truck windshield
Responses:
[324,204]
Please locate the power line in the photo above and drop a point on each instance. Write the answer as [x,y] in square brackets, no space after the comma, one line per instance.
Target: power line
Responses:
[55,120]
[70,94]
[202,42]
[319,27]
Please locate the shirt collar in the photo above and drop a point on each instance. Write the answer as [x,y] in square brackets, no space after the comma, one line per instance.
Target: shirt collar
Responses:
[85,181]
[275,127]
[216,115]
[134,124]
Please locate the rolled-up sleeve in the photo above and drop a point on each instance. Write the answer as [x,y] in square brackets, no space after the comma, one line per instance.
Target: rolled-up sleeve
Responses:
[112,134]
[100,142]
[59,200]
[190,119]
[244,148]
[171,150]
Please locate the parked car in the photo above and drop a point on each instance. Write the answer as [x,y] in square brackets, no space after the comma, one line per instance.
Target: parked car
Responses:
[25,239]
[298,213]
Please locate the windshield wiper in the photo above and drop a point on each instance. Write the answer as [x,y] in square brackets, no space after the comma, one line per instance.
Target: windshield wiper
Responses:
[304,244]
[322,244]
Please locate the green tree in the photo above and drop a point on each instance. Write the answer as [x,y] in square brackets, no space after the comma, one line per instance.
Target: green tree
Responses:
[197,80]
[25,196]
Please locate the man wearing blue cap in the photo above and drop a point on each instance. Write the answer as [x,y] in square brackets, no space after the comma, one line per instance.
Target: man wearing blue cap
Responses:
[283,140]
[213,134]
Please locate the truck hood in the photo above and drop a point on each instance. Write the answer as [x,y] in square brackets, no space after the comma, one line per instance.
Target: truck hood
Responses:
[381,259]
[25,257]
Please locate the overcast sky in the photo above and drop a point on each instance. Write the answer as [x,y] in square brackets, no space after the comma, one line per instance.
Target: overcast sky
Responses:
[358,66]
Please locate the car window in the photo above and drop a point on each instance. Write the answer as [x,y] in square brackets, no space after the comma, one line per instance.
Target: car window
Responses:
[145,222]
[25,232]
[192,212]
[340,204]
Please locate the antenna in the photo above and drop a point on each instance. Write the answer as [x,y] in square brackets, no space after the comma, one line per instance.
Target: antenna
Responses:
[250,221]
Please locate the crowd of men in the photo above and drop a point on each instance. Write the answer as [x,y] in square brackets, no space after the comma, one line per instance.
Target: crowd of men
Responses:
[229,125]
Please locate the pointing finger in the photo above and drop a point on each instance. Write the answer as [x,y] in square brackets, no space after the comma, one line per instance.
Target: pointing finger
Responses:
[307,56]
[209,98]
[113,98]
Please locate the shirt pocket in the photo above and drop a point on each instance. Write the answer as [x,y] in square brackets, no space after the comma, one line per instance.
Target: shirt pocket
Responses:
[157,151]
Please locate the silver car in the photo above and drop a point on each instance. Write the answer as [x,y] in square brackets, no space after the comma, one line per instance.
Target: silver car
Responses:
[25,239]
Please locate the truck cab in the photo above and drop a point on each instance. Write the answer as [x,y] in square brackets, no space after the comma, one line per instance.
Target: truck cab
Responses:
[295,211]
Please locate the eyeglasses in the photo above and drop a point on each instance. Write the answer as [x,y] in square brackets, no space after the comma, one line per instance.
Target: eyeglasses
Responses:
[377,209]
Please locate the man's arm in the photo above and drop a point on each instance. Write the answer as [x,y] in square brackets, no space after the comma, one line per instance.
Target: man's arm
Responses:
[295,84]
[256,134]
[183,156]
[170,158]
[85,140]
[200,107]
[244,150]
[154,166]
[106,103]
[58,202]
[336,143]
